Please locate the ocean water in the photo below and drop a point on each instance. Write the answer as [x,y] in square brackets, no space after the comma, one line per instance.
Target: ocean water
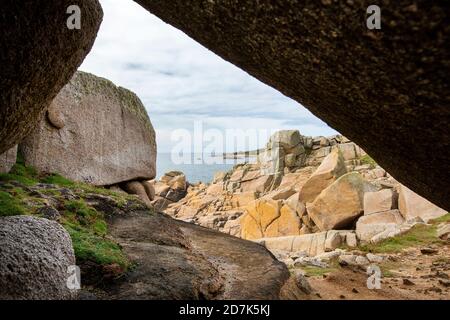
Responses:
[196,167]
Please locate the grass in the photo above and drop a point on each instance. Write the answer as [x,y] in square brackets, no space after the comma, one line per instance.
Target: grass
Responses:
[387,267]
[22,174]
[88,246]
[88,231]
[366,159]
[57,180]
[419,235]
[445,218]
[313,271]
[86,226]
[10,206]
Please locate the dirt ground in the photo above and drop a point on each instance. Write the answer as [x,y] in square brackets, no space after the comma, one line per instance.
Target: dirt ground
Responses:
[410,274]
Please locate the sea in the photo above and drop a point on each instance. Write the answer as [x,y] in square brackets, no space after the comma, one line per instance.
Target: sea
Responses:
[196,167]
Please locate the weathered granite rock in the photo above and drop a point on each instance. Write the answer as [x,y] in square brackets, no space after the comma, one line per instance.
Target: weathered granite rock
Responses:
[172,186]
[107,136]
[35,255]
[412,205]
[443,232]
[341,203]
[8,159]
[368,226]
[331,168]
[137,188]
[39,55]
[321,54]
[379,201]
[311,244]
[269,218]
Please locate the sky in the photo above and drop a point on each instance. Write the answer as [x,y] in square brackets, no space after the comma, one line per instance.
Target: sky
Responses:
[183,85]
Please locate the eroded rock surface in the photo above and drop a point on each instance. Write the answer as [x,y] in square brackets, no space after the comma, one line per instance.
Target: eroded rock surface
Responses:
[35,255]
[387,90]
[176,260]
[39,55]
[8,159]
[97,133]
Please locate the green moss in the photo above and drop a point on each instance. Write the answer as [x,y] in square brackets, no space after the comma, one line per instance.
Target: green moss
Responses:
[91,247]
[10,206]
[23,174]
[366,159]
[88,231]
[58,180]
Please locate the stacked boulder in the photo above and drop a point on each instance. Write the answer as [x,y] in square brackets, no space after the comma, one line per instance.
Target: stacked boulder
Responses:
[172,187]
[393,211]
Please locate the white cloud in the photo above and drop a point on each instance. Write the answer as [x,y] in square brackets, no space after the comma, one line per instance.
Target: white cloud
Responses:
[179,81]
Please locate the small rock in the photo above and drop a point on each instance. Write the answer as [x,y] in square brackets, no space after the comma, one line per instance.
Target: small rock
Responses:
[302,282]
[354,290]
[444,282]
[351,240]
[408,282]
[433,289]
[441,274]
[360,260]
[428,251]
[310,261]
[374,258]
[443,232]
[342,296]
[49,213]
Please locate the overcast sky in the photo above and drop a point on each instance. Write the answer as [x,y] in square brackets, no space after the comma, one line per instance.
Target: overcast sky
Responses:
[180,81]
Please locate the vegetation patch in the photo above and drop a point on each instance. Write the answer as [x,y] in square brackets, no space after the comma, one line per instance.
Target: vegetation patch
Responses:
[57,180]
[313,271]
[10,206]
[366,159]
[22,174]
[88,231]
[419,235]
[86,226]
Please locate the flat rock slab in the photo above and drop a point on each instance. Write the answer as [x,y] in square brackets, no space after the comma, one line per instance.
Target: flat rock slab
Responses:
[177,260]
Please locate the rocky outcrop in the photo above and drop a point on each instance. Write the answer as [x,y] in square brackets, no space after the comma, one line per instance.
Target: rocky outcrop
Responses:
[35,255]
[170,188]
[341,203]
[213,265]
[95,132]
[331,168]
[412,205]
[379,201]
[321,54]
[39,55]
[371,225]
[309,244]
[269,218]
[8,159]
